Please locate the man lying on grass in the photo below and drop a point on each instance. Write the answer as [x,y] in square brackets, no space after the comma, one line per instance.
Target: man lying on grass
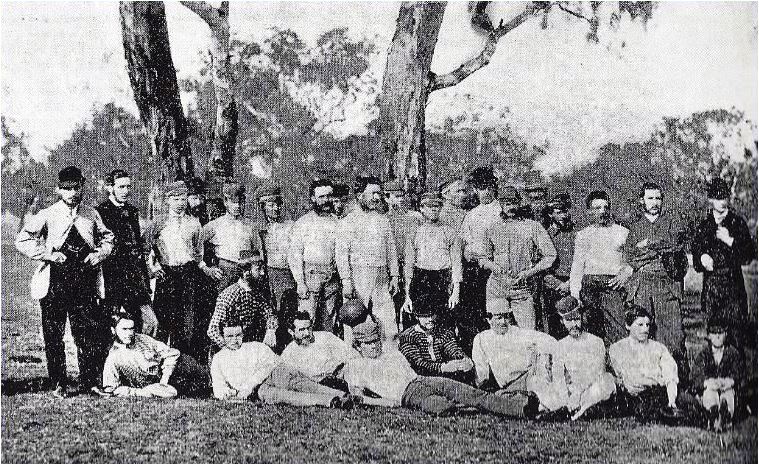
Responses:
[138,365]
[245,370]
[387,379]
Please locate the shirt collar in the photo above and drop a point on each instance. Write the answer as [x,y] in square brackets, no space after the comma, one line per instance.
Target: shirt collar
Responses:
[651,218]
[116,202]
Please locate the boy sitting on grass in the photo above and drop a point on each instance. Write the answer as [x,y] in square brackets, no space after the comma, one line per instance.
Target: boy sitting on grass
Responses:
[645,369]
[140,366]
[242,370]
[718,372]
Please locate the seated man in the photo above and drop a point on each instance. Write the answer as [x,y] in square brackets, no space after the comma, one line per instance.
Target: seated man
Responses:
[240,370]
[718,372]
[516,358]
[138,365]
[391,382]
[644,368]
[431,349]
[320,355]
[581,361]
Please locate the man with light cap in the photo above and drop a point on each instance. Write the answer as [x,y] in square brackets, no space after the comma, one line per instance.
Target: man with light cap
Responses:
[470,312]
[312,257]
[556,280]
[432,263]
[246,301]
[517,359]
[722,244]
[367,259]
[581,362]
[225,237]
[70,241]
[430,348]
[276,241]
[175,238]
[387,379]
[516,250]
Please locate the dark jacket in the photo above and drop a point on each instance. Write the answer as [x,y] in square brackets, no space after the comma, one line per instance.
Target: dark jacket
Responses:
[725,257]
[732,366]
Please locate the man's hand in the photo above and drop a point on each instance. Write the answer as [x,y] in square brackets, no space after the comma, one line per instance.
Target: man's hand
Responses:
[270,339]
[93,259]
[213,272]
[407,306]
[465,364]
[56,257]
[724,235]
[302,290]
[522,276]
[621,278]
[563,287]
[712,384]
[348,288]
[394,288]
[643,243]
[159,274]
[707,261]
[453,300]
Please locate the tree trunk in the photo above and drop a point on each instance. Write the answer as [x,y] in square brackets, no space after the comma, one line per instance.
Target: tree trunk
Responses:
[221,160]
[154,83]
[405,88]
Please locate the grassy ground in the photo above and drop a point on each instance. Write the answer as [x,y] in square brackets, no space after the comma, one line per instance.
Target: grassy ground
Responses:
[37,428]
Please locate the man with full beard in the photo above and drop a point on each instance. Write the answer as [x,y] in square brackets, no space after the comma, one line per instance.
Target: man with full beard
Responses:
[654,249]
[312,257]
[367,258]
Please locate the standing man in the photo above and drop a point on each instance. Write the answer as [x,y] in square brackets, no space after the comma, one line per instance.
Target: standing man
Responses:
[225,237]
[196,200]
[517,249]
[125,272]
[175,238]
[367,259]
[276,241]
[537,196]
[312,257]
[71,242]
[246,301]
[655,252]
[470,314]
[556,281]
[721,245]
[599,270]
[341,201]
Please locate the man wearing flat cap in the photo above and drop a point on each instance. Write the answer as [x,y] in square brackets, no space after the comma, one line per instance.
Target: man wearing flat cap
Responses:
[175,238]
[276,241]
[581,362]
[454,194]
[556,281]
[722,244]
[516,250]
[433,263]
[246,302]
[70,241]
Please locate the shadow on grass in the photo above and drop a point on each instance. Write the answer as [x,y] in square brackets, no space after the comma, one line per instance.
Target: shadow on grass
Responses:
[13,386]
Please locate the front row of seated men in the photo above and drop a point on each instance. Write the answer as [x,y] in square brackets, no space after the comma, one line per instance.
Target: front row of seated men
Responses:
[513,372]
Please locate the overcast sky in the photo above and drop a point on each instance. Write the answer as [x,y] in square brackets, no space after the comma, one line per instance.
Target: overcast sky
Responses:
[61,58]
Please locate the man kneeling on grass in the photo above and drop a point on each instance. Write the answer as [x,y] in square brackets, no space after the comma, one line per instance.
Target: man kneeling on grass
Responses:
[645,369]
[140,366]
[243,370]
[581,361]
[387,379]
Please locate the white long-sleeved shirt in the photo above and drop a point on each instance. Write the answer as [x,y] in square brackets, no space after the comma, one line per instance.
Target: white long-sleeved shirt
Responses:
[507,356]
[387,375]
[646,363]
[475,224]
[599,250]
[321,357]
[229,236]
[582,361]
[236,373]
[365,239]
[312,240]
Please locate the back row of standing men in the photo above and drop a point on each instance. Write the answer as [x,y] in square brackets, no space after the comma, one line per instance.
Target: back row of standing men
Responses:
[444,259]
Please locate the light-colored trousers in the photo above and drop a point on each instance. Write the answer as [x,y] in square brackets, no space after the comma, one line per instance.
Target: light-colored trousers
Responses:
[286,385]
[712,398]
[323,285]
[372,283]
[523,308]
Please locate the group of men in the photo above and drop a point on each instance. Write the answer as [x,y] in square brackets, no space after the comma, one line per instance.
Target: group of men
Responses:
[507,296]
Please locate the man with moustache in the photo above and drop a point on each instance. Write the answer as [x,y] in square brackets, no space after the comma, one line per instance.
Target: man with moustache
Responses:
[367,259]
[599,270]
[71,241]
[454,194]
[125,272]
[654,250]
[722,244]
[312,257]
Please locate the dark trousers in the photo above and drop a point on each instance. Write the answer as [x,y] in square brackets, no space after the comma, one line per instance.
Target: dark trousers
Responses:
[71,294]
[605,308]
[175,306]
[469,315]
[724,295]
[433,286]
[190,377]
[442,396]
[126,286]
[550,297]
